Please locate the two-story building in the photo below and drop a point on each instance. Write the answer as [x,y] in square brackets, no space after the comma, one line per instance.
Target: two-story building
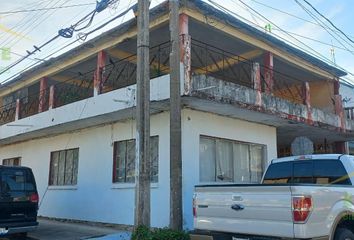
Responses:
[347,93]
[246,96]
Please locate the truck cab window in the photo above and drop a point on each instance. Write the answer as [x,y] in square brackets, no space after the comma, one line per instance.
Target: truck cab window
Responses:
[303,172]
[279,173]
[330,172]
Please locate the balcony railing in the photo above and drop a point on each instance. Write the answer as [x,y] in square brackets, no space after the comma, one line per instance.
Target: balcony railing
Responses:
[221,64]
[74,89]
[117,74]
[122,73]
[7,113]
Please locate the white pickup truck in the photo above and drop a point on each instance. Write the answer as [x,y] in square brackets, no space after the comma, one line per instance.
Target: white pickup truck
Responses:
[304,197]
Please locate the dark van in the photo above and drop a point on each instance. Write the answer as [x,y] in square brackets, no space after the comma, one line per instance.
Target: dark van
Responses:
[18,200]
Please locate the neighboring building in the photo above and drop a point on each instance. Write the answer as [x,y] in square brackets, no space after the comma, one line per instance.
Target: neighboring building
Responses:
[347,93]
[246,96]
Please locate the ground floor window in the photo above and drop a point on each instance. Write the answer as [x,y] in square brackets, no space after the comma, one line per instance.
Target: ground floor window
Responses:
[12,161]
[222,160]
[64,167]
[124,160]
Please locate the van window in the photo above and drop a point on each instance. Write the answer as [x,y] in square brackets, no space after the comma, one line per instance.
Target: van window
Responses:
[16,180]
[279,173]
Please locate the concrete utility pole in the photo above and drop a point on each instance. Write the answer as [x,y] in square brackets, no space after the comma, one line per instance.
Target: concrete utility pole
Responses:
[175,121]
[142,162]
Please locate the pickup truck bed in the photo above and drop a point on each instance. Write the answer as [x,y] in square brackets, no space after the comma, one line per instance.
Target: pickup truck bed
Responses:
[302,208]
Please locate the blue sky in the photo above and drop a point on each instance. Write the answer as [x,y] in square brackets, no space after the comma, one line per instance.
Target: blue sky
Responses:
[28,29]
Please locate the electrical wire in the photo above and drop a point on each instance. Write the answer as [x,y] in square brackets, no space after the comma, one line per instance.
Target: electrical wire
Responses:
[318,54]
[324,26]
[229,12]
[28,52]
[50,8]
[296,34]
[37,24]
[68,44]
[66,32]
[287,13]
[22,24]
[330,22]
[31,5]
[316,40]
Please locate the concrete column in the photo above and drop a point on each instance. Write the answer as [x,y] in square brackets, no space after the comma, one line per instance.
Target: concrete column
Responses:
[98,77]
[268,72]
[257,84]
[51,102]
[336,86]
[338,105]
[185,50]
[339,110]
[18,109]
[42,94]
[306,100]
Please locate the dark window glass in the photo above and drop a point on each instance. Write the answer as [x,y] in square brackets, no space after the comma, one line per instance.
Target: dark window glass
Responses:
[12,161]
[279,173]
[330,172]
[64,167]
[124,160]
[13,180]
[303,172]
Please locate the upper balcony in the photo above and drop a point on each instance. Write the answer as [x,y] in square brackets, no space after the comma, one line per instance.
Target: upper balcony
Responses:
[243,76]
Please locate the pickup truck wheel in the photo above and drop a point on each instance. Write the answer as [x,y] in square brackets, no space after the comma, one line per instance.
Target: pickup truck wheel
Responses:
[344,234]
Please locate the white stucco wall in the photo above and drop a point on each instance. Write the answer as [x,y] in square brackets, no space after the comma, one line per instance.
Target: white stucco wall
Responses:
[113,101]
[200,123]
[95,198]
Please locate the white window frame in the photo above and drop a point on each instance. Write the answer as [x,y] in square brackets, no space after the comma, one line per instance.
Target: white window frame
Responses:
[263,162]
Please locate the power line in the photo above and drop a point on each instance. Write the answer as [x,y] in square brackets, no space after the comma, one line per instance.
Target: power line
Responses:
[316,40]
[30,29]
[31,5]
[324,26]
[65,32]
[69,44]
[22,24]
[296,34]
[228,11]
[49,8]
[330,22]
[319,55]
[289,14]
[35,47]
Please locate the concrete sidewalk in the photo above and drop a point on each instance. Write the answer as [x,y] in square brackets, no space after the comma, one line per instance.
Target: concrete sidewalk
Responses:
[55,230]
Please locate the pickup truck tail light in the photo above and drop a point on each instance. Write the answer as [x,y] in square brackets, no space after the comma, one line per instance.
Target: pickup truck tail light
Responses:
[302,207]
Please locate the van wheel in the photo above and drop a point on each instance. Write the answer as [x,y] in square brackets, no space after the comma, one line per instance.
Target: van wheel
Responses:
[344,234]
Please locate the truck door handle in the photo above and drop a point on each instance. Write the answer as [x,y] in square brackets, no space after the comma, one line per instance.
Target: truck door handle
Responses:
[237,207]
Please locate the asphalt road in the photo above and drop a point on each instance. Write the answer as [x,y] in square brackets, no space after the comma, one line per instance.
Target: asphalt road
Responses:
[54,230]
[17,238]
